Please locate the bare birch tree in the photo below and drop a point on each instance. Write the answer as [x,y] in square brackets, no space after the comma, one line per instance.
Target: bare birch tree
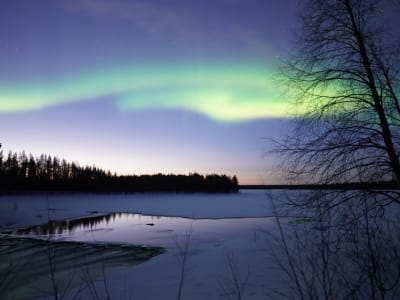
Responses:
[345,76]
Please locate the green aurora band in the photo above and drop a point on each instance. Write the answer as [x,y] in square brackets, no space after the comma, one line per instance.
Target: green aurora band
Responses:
[225,93]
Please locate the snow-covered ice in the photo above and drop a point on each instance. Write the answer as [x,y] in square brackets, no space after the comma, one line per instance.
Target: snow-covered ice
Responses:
[226,231]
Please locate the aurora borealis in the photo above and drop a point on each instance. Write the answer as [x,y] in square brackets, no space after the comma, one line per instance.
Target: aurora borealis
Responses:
[233,93]
[145,86]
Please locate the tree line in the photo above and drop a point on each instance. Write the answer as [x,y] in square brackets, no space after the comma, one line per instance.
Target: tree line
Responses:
[23,173]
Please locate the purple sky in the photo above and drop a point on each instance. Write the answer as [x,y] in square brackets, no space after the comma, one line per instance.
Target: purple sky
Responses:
[145,86]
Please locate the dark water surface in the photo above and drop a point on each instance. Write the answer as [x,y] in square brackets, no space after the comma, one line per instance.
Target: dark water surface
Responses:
[140,229]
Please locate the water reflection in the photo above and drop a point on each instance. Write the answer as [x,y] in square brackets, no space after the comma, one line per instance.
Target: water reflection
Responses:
[143,229]
[60,227]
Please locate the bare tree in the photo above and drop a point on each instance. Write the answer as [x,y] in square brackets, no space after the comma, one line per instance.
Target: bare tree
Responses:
[234,286]
[183,255]
[333,257]
[345,77]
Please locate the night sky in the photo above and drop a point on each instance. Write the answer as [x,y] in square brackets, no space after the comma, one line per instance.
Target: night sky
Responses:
[146,86]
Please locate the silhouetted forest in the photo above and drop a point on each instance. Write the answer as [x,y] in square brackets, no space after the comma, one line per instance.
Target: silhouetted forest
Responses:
[23,173]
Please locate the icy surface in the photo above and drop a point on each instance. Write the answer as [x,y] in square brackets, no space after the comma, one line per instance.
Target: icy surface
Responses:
[23,210]
[220,229]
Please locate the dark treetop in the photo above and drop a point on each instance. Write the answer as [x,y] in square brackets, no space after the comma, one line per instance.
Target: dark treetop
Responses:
[22,173]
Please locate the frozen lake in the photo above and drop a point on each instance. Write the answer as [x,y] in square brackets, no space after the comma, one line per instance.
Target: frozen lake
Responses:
[145,230]
[25,210]
[218,228]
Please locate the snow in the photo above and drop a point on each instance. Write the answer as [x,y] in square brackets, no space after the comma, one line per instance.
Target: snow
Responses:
[208,274]
[23,210]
